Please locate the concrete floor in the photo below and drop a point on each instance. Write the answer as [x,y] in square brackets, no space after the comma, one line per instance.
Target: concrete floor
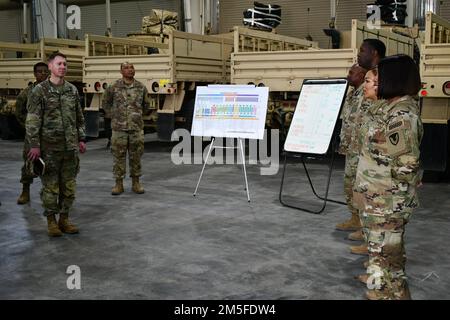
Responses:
[166,244]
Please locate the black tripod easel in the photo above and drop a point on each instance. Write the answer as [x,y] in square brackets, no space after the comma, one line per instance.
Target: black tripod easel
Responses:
[325,198]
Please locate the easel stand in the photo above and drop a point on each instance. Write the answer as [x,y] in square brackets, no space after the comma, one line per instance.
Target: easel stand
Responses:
[211,146]
[325,198]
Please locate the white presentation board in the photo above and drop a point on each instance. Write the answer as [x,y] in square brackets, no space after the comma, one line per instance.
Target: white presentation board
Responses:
[230,111]
[315,116]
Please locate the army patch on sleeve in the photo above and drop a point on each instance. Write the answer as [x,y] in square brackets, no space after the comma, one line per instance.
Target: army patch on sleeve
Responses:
[397,143]
[394,138]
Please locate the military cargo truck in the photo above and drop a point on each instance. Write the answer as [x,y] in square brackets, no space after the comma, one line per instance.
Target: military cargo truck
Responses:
[171,70]
[435,93]
[16,72]
[284,71]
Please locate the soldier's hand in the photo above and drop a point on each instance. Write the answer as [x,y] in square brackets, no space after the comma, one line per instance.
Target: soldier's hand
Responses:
[82,146]
[34,154]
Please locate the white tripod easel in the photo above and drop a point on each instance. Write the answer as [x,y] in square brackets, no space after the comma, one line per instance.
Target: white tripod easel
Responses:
[211,146]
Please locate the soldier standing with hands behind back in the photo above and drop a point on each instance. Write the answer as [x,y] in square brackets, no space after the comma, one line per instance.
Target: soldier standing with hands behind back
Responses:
[350,110]
[56,132]
[40,71]
[370,53]
[124,103]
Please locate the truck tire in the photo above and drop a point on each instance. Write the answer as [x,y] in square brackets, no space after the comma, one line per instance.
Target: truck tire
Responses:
[10,128]
[5,131]
[187,111]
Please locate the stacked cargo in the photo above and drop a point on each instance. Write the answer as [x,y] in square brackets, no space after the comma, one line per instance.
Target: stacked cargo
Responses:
[390,11]
[262,16]
[160,22]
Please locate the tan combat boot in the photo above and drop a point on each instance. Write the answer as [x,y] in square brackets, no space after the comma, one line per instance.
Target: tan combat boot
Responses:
[356,236]
[65,225]
[53,230]
[25,195]
[118,188]
[404,294]
[376,295]
[136,186]
[353,224]
[363,278]
[361,250]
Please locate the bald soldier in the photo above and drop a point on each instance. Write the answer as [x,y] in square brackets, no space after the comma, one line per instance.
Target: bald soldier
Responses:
[350,111]
[124,102]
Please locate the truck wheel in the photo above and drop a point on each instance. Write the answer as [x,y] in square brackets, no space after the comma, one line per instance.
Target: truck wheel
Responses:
[187,111]
[10,128]
[4,128]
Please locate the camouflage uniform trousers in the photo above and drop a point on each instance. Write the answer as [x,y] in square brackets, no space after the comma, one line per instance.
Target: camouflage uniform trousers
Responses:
[387,256]
[26,177]
[59,181]
[351,164]
[121,142]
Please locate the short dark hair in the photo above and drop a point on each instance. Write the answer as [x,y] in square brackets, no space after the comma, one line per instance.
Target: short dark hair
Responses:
[398,75]
[376,45]
[56,54]
[123,64]
[39,64]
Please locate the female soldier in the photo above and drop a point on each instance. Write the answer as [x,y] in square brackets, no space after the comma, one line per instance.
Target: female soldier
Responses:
[388,174]
[371,85]
[370,92]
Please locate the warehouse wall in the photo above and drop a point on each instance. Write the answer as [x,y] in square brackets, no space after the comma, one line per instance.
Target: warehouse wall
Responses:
[11,25]
[297,20]
[126,16]
[445,9]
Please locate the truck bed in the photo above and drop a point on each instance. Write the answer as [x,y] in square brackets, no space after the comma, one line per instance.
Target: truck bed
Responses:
[286,70]
[186,57]
[17,73]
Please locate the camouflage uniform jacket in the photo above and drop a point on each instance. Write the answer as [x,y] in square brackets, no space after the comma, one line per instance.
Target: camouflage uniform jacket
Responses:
[388,167]
[55,120]
[352,105]
[3,103]
[125,104]
[21,104]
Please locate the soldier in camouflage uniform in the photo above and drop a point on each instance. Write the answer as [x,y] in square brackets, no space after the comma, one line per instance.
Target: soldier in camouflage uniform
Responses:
[56,132]
[388,174]
[124,103]
[40,70]
[3,103]
[351,107]
[370,53]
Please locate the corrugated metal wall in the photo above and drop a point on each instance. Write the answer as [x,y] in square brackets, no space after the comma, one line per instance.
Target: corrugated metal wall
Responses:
[296,20]
[299,18]
[126,16]
[350,9]
[445,9]
[11,25]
